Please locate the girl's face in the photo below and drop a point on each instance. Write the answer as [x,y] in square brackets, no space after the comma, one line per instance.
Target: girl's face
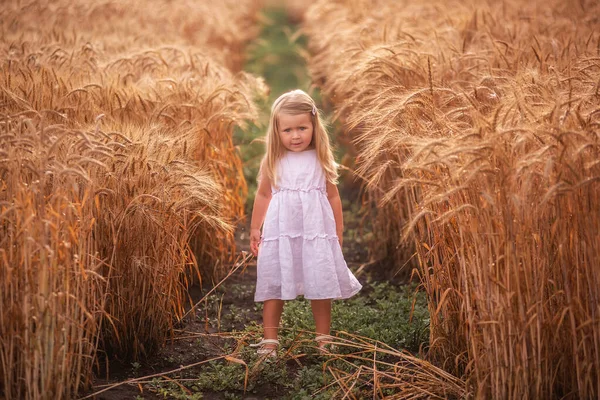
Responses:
[295,131]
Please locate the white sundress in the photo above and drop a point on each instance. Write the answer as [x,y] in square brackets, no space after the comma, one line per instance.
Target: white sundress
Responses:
[299,252]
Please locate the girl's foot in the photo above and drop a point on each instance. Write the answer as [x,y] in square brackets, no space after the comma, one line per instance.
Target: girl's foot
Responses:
[267,347]
[325,344]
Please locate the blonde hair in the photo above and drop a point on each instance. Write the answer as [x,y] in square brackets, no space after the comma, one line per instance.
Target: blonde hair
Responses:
[297,102]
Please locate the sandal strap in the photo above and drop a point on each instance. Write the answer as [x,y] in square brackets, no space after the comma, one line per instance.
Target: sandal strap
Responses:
[322,338]
[265,341]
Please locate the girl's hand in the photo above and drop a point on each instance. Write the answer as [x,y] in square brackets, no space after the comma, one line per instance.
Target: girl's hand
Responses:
[254,241]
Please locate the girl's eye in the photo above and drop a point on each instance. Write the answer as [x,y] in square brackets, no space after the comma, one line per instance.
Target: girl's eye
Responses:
[302,128]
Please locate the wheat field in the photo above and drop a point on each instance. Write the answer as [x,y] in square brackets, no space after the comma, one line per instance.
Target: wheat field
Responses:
[115,152]
[475,131]
[476,126]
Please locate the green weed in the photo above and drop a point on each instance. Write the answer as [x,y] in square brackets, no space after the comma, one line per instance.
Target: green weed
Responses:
[382,313]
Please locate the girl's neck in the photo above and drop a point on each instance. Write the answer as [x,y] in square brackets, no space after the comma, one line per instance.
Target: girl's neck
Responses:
[303,151]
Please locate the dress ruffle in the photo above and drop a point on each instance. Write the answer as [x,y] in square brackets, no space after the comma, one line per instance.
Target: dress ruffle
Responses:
[327,277]
[305,237]
[310,189]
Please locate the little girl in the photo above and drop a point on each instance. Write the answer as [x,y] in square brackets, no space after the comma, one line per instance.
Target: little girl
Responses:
[300,250]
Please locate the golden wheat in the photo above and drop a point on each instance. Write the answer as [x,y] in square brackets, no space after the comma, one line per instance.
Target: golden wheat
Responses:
[117,148]
[477,126]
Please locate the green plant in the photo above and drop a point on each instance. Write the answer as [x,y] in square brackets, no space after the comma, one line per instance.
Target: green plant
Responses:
[173,390]
[397,316]
[221,376]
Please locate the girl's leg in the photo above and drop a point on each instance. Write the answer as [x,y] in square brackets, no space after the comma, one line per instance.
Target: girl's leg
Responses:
[272,310]
[322,313]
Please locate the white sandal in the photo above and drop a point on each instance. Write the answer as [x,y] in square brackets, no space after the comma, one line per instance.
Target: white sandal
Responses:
[266,351]
[324,344]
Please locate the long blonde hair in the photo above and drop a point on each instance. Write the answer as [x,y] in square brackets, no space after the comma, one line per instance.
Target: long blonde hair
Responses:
[297,102]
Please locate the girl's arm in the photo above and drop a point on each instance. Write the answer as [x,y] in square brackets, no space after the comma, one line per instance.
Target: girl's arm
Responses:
[261,203]
[333,195]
